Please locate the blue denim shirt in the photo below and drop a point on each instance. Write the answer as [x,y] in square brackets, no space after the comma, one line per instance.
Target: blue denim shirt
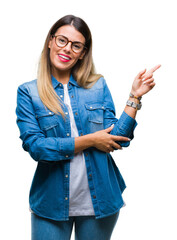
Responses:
[47,138]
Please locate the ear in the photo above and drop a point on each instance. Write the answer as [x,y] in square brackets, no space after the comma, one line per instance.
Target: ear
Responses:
[82,55]
[50,42]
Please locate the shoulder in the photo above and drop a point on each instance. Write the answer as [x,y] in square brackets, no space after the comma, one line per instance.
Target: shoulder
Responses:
[29,84]
[29,87]
[99,84]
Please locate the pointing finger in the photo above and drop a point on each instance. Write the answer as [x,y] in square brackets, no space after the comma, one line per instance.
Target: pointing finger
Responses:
[155,68]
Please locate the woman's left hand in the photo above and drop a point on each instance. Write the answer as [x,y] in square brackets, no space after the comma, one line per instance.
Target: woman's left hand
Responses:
[144,82]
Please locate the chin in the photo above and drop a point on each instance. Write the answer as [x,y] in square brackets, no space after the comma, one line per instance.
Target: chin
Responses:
[62,68]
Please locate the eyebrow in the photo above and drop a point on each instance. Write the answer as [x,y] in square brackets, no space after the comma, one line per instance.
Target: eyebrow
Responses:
[68,38]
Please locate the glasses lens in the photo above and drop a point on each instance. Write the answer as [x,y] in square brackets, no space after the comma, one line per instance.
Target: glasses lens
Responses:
[77,47]
[61,41]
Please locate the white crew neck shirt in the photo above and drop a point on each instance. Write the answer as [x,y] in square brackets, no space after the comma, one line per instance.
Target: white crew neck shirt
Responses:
[80,202]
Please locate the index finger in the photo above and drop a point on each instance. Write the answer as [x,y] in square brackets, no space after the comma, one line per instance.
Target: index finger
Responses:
[155,68]
[120,138]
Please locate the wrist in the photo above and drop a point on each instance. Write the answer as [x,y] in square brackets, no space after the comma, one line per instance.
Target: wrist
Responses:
[84,142]
[136,94]
[91,139]
[134,101]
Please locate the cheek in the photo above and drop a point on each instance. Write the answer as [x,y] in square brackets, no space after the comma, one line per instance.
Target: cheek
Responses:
[51,58]
[53,55]
[74,62]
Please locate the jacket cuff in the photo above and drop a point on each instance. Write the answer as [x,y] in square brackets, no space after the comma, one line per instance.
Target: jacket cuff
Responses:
[127,124]
[66,148]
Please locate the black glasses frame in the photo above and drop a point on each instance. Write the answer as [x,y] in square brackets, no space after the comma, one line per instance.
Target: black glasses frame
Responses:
[75,42]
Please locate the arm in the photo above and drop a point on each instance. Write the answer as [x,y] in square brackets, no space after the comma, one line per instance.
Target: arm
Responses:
[34,141]
[126,124]
[102,140]
[143,83]
[112,137]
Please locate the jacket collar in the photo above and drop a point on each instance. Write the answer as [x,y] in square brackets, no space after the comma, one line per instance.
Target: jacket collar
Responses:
[55,82]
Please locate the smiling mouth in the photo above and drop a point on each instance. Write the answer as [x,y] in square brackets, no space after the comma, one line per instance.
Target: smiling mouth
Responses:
[64,57]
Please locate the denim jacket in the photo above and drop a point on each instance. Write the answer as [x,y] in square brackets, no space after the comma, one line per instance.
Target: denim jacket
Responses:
[47,138]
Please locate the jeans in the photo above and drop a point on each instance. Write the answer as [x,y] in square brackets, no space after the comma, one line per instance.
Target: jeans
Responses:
[86,228]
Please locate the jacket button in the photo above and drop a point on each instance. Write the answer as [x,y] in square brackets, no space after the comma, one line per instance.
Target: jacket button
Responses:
[82,134]
[91,107]
[90,175]
[94,196]
[86,154]
[66,175]
[66,156]
[72,96]
[66,198]
[76,113]
[67,134]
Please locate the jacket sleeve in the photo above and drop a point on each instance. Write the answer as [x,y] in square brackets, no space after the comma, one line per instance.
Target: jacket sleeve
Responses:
[40,147]
[124,126]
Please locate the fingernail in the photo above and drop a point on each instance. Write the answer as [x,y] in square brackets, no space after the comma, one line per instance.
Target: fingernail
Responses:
[112,125]
[129,139]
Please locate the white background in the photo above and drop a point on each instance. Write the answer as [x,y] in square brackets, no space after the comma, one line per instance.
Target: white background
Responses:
[128,36]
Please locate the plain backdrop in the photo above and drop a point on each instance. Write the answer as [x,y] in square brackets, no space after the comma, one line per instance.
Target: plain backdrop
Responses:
[128,36]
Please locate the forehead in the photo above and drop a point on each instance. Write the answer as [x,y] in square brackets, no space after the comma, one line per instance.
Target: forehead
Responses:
[71,33]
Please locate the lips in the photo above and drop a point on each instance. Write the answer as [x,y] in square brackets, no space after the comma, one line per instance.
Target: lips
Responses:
[64,58]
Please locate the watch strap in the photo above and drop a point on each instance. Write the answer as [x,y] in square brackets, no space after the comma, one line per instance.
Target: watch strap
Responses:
[133,96]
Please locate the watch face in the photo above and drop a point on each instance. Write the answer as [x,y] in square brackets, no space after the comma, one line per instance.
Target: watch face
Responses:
[134,105]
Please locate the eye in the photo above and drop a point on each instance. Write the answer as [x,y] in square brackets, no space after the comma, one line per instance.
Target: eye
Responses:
[61,40]
[77,45]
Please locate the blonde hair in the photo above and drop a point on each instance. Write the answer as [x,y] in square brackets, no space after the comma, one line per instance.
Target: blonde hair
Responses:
[83,71]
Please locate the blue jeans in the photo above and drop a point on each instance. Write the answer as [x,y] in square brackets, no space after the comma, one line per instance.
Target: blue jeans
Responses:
[86,228]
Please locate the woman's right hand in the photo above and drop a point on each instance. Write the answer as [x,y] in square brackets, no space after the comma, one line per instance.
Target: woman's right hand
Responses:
[107,142]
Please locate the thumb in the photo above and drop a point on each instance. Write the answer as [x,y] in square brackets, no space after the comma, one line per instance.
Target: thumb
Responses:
[109,128]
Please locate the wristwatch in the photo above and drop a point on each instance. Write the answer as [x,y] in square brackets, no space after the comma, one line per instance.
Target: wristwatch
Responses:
[134,105]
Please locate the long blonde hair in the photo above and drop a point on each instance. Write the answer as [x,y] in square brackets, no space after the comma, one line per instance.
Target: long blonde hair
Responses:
[83,71]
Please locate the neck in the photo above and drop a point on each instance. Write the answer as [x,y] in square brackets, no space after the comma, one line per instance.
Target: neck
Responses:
[61,76]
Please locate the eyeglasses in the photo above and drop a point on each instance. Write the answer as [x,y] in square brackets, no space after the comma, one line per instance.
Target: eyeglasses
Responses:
[61,41]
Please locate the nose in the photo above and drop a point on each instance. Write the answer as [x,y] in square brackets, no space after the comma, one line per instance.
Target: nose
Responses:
[67,48]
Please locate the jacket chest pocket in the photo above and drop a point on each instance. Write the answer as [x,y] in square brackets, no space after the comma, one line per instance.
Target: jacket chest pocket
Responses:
[47,122]
[95,116]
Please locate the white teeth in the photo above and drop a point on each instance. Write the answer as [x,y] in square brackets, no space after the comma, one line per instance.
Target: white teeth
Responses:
[64,57]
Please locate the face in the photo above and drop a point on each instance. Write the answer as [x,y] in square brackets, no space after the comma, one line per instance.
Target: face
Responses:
[63,59]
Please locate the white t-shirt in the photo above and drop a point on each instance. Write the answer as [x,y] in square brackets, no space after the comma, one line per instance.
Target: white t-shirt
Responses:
[80,202]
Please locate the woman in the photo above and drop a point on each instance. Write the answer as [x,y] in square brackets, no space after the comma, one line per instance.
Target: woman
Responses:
[67,123]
